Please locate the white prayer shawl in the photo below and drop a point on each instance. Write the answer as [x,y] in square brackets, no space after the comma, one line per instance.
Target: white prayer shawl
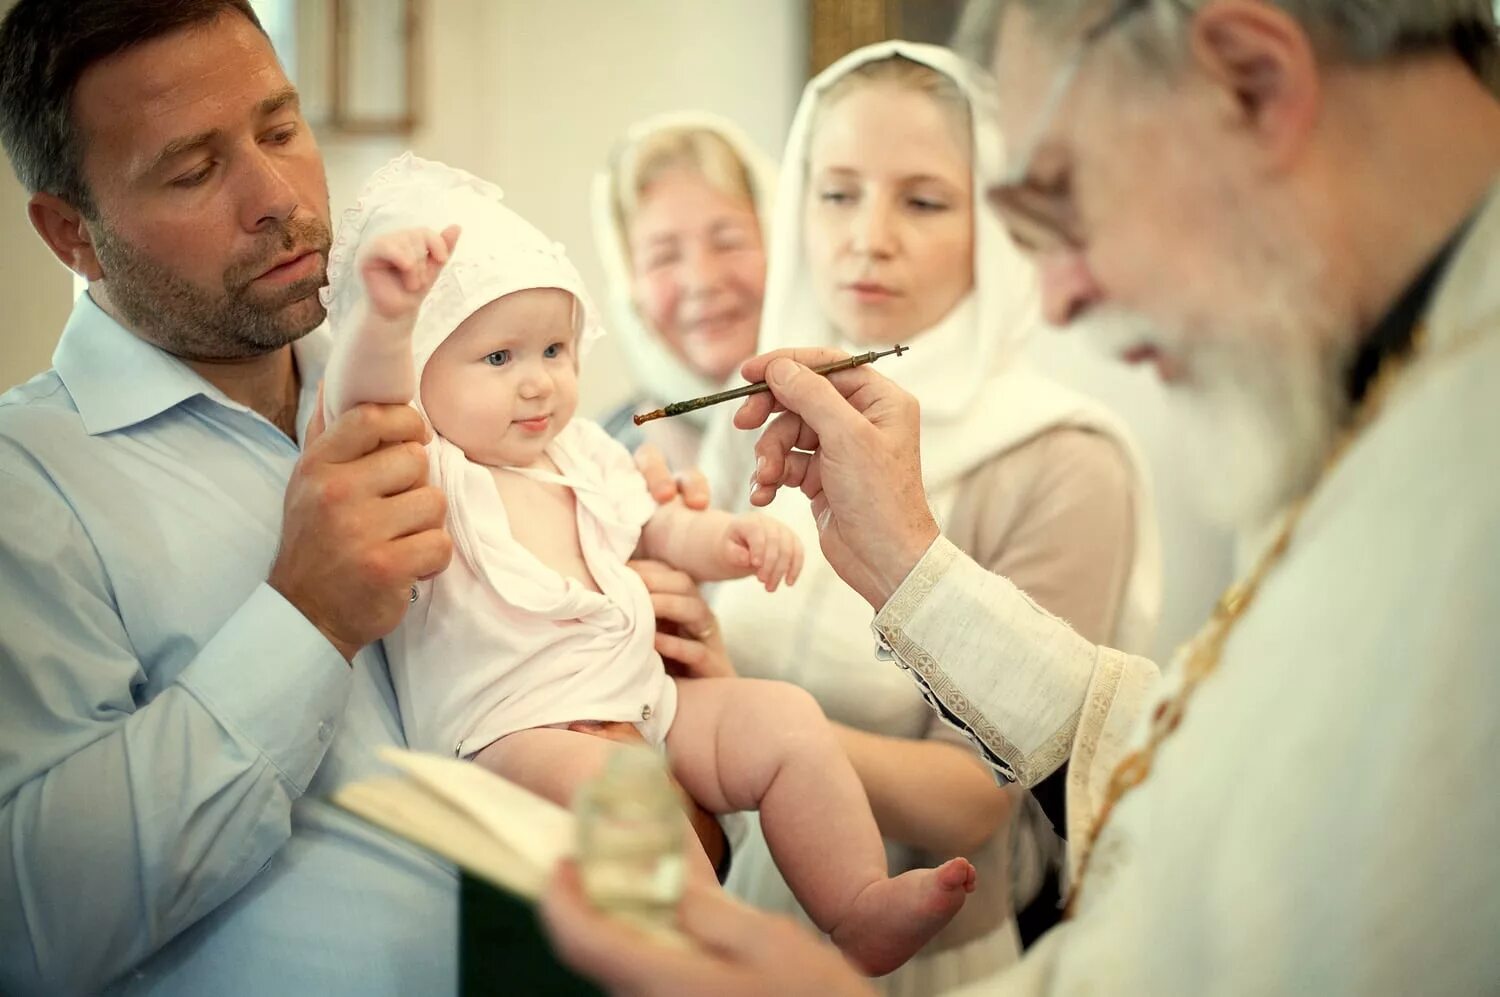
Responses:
[660,374]
[499,642]
[1324,820]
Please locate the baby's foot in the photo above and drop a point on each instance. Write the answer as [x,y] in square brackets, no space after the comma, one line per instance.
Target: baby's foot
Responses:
[892,919]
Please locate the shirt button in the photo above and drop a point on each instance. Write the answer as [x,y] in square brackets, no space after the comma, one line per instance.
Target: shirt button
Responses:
[414,593]
[646,712]
[325,731]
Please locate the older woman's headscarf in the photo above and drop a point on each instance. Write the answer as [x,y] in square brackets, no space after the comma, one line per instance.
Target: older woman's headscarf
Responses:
[659,373]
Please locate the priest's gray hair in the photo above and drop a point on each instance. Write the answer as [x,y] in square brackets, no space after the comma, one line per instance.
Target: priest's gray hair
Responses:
[1362,31]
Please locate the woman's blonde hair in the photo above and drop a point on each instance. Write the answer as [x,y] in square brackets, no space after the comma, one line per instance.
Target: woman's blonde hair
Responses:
[908,74]
[689,147]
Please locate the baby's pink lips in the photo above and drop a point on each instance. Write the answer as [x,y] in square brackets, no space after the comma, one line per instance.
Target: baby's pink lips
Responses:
[537,425]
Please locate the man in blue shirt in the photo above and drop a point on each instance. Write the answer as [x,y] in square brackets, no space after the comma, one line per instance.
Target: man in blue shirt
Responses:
[194,572]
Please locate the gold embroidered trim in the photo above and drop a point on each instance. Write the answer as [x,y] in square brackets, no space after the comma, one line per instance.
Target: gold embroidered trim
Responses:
[1096,706]
[918,585]
[1055,750]
[938,687]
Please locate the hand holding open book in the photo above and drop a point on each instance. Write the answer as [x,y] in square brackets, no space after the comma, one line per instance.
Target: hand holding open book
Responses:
[514,839]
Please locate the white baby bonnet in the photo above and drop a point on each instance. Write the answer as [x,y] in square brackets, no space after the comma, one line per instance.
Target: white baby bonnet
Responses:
[498,253]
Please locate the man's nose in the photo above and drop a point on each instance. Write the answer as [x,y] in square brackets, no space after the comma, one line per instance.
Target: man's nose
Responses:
[269,197]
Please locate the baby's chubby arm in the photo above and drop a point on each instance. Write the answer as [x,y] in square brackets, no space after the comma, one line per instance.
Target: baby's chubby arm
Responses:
[372,359]
[712,545]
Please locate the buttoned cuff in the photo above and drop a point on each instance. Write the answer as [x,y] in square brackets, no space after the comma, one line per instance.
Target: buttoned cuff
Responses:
[273,680]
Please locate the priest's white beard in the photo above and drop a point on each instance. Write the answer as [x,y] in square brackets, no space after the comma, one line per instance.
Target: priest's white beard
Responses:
[1262,401]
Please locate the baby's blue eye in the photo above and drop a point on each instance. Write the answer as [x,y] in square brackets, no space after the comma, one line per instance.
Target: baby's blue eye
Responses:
[498,359]
[553,352]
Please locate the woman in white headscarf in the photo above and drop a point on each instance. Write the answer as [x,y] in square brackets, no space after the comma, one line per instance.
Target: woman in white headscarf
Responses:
[881,236]
[679,219]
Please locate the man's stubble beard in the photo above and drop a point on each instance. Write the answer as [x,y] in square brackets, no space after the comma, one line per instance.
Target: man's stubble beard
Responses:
[234,323]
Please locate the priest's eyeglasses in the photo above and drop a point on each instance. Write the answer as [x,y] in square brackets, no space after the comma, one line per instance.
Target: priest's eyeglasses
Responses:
[1041,214]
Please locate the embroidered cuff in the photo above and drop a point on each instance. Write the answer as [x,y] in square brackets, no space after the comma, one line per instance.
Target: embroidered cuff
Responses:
[989,660]
[940,693]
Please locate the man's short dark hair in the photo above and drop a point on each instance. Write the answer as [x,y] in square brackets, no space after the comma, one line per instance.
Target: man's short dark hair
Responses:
[45,46]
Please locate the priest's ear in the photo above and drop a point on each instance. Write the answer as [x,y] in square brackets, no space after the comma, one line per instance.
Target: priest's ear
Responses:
[63,229]
[1264,63]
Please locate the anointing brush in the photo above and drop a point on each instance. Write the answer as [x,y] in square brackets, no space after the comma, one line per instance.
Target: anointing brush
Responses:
[759,387]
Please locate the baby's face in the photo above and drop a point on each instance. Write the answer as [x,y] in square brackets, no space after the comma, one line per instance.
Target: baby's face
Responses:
[506,381]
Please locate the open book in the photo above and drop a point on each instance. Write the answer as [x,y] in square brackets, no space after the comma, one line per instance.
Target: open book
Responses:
[486,825]
[505,841]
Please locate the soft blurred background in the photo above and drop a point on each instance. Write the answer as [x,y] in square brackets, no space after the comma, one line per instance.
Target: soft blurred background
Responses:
[533,94]
[530,94]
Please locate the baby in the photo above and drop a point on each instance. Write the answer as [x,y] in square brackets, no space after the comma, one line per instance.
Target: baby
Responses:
[539,623]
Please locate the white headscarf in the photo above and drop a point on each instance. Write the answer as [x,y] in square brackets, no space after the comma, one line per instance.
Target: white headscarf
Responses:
[978,396]
[498,253]
[659,373]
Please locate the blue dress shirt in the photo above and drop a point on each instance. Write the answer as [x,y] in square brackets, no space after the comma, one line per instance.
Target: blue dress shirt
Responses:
[170,725]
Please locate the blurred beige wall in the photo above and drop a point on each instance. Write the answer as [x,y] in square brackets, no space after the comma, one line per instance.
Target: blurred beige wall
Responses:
[36,290]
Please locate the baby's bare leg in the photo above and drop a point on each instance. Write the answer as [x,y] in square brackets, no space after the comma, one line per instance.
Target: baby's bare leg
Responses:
[743,744]
[555,763]
[739,744]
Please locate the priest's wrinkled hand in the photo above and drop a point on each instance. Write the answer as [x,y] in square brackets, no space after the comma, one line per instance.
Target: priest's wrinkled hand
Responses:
[690,485]
[737,950]
[850,442]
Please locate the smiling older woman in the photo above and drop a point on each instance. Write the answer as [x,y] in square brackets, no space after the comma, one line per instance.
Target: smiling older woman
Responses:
[679,218]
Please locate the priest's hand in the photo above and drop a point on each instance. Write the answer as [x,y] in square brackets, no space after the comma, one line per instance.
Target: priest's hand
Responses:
[737,950]
[850,442]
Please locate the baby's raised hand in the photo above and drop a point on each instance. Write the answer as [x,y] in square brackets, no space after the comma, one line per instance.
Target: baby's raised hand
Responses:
[755,544]
[399,268]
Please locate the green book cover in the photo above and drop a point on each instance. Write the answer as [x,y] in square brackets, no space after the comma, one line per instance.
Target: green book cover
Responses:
[502,949]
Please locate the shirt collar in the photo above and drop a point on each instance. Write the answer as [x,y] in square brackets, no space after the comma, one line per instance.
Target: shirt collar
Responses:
[117,379]
[311,353]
